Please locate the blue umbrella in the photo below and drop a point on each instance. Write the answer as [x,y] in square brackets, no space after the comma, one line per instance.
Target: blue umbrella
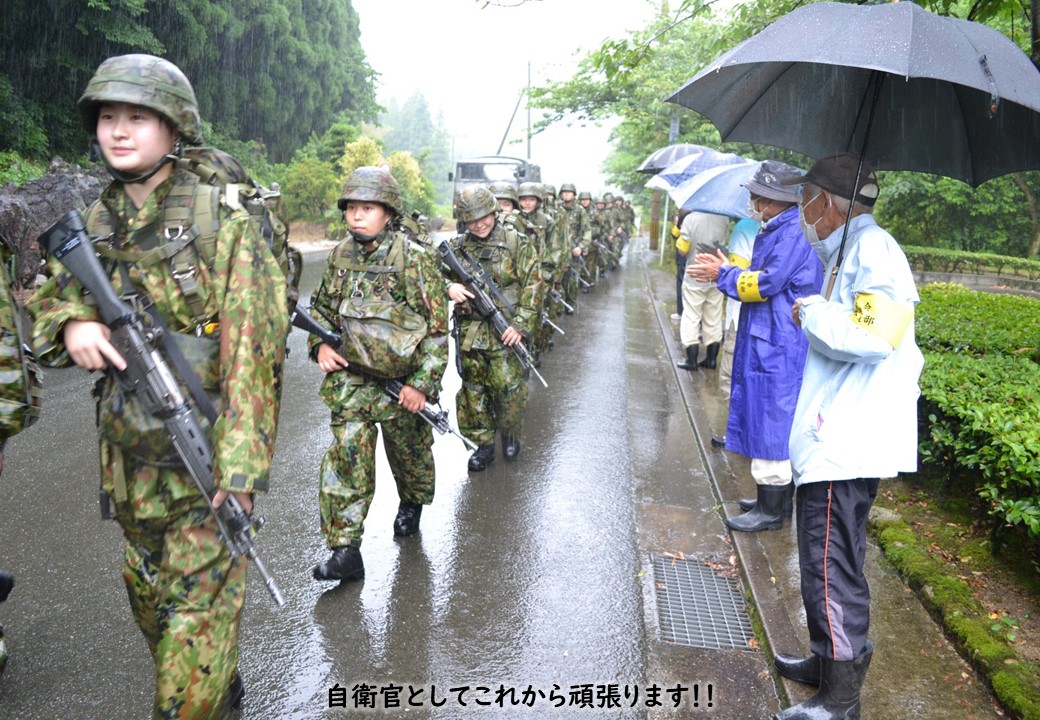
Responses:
[721,190]
[658,160]
[685,168]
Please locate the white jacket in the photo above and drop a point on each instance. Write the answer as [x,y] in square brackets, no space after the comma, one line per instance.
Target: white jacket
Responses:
[857,408]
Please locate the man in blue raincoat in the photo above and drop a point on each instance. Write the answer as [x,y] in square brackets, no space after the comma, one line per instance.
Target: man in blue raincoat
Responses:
[770,349]
[856,422]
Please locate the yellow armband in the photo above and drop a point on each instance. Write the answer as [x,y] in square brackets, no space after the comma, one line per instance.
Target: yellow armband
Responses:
[740,261]
[682,245]
[882,317]
[747,286]
[675,231]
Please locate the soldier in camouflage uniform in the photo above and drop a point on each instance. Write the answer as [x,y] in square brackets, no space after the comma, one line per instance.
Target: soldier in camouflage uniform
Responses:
[494,389]
[382,289]
[505,195]
[579,230]
[185,591]
[552,247]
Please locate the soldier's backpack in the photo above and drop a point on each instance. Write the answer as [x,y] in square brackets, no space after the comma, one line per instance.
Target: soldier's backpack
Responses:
[21,383]
[192,219]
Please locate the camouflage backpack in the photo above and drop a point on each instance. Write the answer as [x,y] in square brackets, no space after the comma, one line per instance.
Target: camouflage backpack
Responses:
[187,207]
[20,379]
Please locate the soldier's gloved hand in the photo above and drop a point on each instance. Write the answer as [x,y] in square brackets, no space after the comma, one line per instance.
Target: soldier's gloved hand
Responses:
[89,347]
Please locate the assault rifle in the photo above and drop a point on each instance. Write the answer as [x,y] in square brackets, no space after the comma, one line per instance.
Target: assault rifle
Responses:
[437,419]
[580,271]
[149,377]
[546,320]
[557,298]
[483,288]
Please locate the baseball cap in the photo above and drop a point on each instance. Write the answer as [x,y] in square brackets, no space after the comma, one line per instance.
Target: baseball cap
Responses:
[837,174]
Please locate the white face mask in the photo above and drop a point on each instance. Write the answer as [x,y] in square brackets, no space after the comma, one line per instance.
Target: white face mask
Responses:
[754,213]
[810,229]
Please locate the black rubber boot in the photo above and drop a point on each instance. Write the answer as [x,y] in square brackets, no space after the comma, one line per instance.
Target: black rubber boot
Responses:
[407,521]
[6,585]
[510,447]
[807,669]
[719,441]
[691,358]
[484,456]
[236,693]
[344,564]
[768,513]
[748,504]
[711,355]
[838,697]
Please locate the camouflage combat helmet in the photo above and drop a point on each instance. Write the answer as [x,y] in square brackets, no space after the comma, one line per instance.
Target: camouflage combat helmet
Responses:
[150,82]
[584,195]
[608,197]
[474,202]
[549,190]
[568,187]
[372,184]
[532,189]
[503,189]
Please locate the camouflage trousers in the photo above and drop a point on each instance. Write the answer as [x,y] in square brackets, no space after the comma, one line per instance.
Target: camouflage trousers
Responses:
[185,591]
[348,470]
[570,286]
[493,395]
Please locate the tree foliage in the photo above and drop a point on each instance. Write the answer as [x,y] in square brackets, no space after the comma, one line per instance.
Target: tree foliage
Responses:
[629,79]
[273,71]
[412,128]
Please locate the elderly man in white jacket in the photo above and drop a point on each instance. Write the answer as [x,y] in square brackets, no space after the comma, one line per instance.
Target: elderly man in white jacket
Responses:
[855,423]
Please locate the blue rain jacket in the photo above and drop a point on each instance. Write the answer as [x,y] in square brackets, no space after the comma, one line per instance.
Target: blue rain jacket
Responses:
[770,351]
[857,410]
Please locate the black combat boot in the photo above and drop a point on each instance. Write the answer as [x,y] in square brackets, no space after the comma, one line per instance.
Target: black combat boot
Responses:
[344,564]
[484,456]
[711,355]
[236,693]
[838,697]
[691,358]
[510,447]
[719,441]
[407,520]
[748,504]
[6,585]
[768,513]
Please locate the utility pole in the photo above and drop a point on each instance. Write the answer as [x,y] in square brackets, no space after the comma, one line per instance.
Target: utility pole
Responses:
[529,109]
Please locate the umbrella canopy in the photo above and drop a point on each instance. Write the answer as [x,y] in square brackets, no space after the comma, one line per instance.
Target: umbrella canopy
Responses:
[721,190]
[947,96]
[660,159]
[682,170]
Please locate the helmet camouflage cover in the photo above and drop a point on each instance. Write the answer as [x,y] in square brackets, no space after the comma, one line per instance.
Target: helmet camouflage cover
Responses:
[504,189]
[150,82]
[568,187]
[372,184]
[532,189]
[549,190]
[608,197]
[584,195]
[474,202]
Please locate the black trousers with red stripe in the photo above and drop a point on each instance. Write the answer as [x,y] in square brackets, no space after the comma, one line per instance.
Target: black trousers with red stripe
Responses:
[832,545]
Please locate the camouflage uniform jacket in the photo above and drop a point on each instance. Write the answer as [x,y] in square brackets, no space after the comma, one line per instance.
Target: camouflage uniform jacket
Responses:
[243,292]
[417,285]
[514,266]
[579,228]
[554,245]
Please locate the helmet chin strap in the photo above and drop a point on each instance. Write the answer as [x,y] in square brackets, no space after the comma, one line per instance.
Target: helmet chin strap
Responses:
[95,150]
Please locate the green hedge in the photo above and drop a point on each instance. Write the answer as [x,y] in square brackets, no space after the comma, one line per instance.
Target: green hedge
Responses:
[930,259]
[980,395]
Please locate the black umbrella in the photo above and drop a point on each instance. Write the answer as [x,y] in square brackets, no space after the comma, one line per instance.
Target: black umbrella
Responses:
[907,89]
[660,159]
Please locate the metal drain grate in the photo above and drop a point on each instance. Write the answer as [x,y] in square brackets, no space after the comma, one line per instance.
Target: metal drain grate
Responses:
[698,607]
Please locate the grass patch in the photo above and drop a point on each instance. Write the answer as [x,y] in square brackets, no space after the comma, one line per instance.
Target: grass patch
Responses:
[986,600]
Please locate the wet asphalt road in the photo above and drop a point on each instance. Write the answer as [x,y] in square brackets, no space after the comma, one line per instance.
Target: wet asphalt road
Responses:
[529,576]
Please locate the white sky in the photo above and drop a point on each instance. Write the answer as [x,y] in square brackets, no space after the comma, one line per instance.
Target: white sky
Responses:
[470,62]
